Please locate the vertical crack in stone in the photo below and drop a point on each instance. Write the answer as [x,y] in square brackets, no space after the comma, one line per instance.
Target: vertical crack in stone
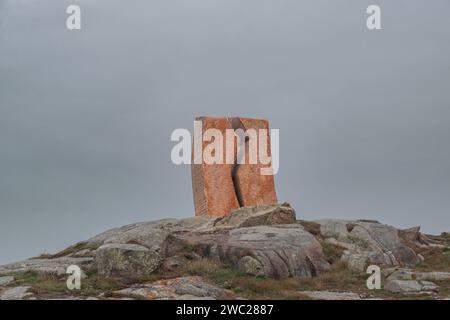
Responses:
[236,124]
[221,188]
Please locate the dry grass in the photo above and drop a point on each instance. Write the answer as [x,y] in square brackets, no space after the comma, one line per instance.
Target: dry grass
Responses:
[436,259]
[72,249]
[332,252]
[312,227]
[255,287]
[43,284]
[443,238]
[338,278]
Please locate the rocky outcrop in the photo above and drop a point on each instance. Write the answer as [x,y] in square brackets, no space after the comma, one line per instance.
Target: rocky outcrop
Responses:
[149,234]
[417,238]
[410,286]
[409,274]
[261,240]
[4,281]
[56,266]
[115,259]
[16,293]
[182,288]
[276,251]
[368,242]
[258,216]
[264,241]
[331,295]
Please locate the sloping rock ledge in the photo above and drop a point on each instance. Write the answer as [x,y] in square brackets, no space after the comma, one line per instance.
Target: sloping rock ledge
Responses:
[263,241]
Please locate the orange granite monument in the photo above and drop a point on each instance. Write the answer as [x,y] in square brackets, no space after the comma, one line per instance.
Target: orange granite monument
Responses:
[234,178]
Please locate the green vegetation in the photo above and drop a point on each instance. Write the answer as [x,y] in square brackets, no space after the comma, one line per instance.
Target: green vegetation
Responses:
[43,283]
[338,278]
[332,252]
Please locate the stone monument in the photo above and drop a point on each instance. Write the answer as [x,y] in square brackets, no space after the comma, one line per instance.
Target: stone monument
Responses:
[224,186]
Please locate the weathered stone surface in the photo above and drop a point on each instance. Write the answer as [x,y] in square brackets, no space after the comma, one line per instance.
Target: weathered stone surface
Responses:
[428,286]
[130,260]
[402,286]
[277,251]
[413,235]
[355,261]
[258,215]
[56,266]
[331,295]
[16,293]
[266,248]
[150,234]
[368,242]
[250,265]
[83,253]
[256,188]
[183,288]
[410,286]
[264,241]
[4,281]
[408,274]
[432,276]
[212,185]
[219,189]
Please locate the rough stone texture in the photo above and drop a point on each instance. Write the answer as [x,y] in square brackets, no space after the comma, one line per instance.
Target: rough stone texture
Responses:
[413,235]
[256,189]
[331,295]
[410,286]
[264,241]
[368,242]
[355,261]
[250,265]
[212,185]
[433,276]
[4,281]
[258,215]
[402,286]
[56,266]
[16,293]
[428,286]
[216,192]
[150,234]
[276,251]
[408,274]
[129,260]
[183,288]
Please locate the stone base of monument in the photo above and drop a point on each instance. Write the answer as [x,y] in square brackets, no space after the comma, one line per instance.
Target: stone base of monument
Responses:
[265,241]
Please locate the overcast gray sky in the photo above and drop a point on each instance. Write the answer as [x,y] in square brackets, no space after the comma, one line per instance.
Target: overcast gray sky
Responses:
[86,116]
